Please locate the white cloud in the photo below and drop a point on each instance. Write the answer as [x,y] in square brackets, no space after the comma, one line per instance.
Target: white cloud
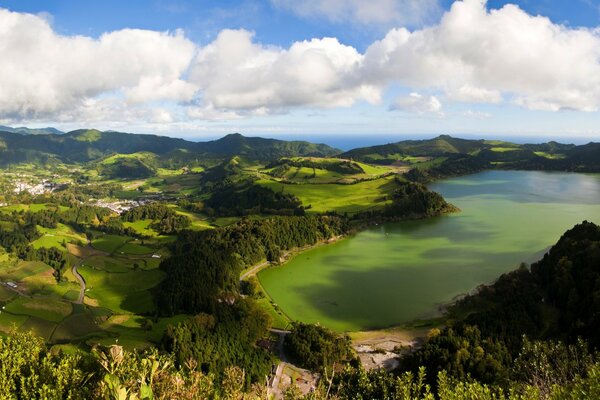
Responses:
[477,55]
[234,73]
[45,73]
[477,114]
[473,55]
[399,12]
[417,103]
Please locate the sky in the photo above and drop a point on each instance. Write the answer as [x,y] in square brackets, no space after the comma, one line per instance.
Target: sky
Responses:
[303,69]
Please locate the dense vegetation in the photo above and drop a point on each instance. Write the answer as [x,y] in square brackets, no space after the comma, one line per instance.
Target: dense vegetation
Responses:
[336,165]
[252,199]
[88,145]
[226,338]
[409,200]
[468,156]
[128,168]
[454,165]
[166,220]
[316,348]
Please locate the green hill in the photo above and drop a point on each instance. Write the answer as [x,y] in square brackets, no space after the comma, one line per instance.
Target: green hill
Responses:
[439,146]
[91,145]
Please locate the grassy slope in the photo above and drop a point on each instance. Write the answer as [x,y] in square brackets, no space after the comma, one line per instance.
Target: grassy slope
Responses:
[340,198]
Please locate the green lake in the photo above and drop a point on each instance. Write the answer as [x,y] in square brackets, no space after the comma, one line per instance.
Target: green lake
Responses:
[395,273]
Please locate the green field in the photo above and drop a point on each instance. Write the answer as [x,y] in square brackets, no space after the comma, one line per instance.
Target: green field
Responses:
[326,171]
[57,236]
[142,227]
[109,243]
[340,198]
[121,292]
[22,270]
[43,308]
[550,156]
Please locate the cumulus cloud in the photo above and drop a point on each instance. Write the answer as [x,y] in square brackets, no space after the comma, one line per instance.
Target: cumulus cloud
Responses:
[400,12]
[235,73]
[45,73]
[473,55]
[417,103]
[476,55]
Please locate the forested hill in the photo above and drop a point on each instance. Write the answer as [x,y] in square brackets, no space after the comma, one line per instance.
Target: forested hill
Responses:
[90,145]
[481,153]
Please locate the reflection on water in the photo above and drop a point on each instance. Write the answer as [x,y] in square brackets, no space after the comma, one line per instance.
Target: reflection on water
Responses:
[398,272]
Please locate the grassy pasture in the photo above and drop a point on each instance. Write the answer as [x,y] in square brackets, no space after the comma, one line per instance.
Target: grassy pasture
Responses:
[123,293]
[134,247]
[341,198]
[549,155]
[142,227]
[54,237]
[22,270]
[43,308]
[110,243]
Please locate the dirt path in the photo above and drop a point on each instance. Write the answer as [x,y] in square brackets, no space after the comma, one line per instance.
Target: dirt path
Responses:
[254,270]
[276,383]
[81,281]
[83,253]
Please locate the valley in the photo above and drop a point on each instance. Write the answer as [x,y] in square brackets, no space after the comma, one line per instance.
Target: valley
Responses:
[142,243]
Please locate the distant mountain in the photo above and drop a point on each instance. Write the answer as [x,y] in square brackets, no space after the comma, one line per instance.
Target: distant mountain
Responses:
[494,153]
[257,148]
[93,145]
[439,146]
[31,131]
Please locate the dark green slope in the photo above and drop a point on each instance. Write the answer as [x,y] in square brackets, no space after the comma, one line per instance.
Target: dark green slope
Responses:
[439,146]
[257,148]
[90,145]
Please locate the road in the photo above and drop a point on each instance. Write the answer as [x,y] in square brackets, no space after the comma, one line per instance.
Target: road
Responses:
[254,270]
[81,281]
[275,389]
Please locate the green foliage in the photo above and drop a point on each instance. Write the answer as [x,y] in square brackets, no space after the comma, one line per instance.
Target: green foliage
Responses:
[340,166]
[252,199]
[409,200]
[316,348]
[167,221]
[29,371]
[227,338]
[549,364]
[455,165]
[463,352]
[126,168]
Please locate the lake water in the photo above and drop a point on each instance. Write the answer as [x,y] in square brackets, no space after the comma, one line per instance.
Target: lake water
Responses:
[396,273]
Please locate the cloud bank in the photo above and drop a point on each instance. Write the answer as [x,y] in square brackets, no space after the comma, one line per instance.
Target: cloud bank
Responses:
[473,55]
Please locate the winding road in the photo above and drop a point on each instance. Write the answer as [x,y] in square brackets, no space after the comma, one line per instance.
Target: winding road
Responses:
[81,281]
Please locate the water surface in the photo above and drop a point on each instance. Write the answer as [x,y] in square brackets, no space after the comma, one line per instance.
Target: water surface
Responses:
[396,273]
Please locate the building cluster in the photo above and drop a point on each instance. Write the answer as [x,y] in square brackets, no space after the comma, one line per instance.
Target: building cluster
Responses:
[42,187]
[119,207]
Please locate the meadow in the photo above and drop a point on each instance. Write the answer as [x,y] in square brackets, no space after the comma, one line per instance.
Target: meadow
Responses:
[350,198]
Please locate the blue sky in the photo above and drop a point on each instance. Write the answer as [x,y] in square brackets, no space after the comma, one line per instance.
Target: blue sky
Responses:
[206,68]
